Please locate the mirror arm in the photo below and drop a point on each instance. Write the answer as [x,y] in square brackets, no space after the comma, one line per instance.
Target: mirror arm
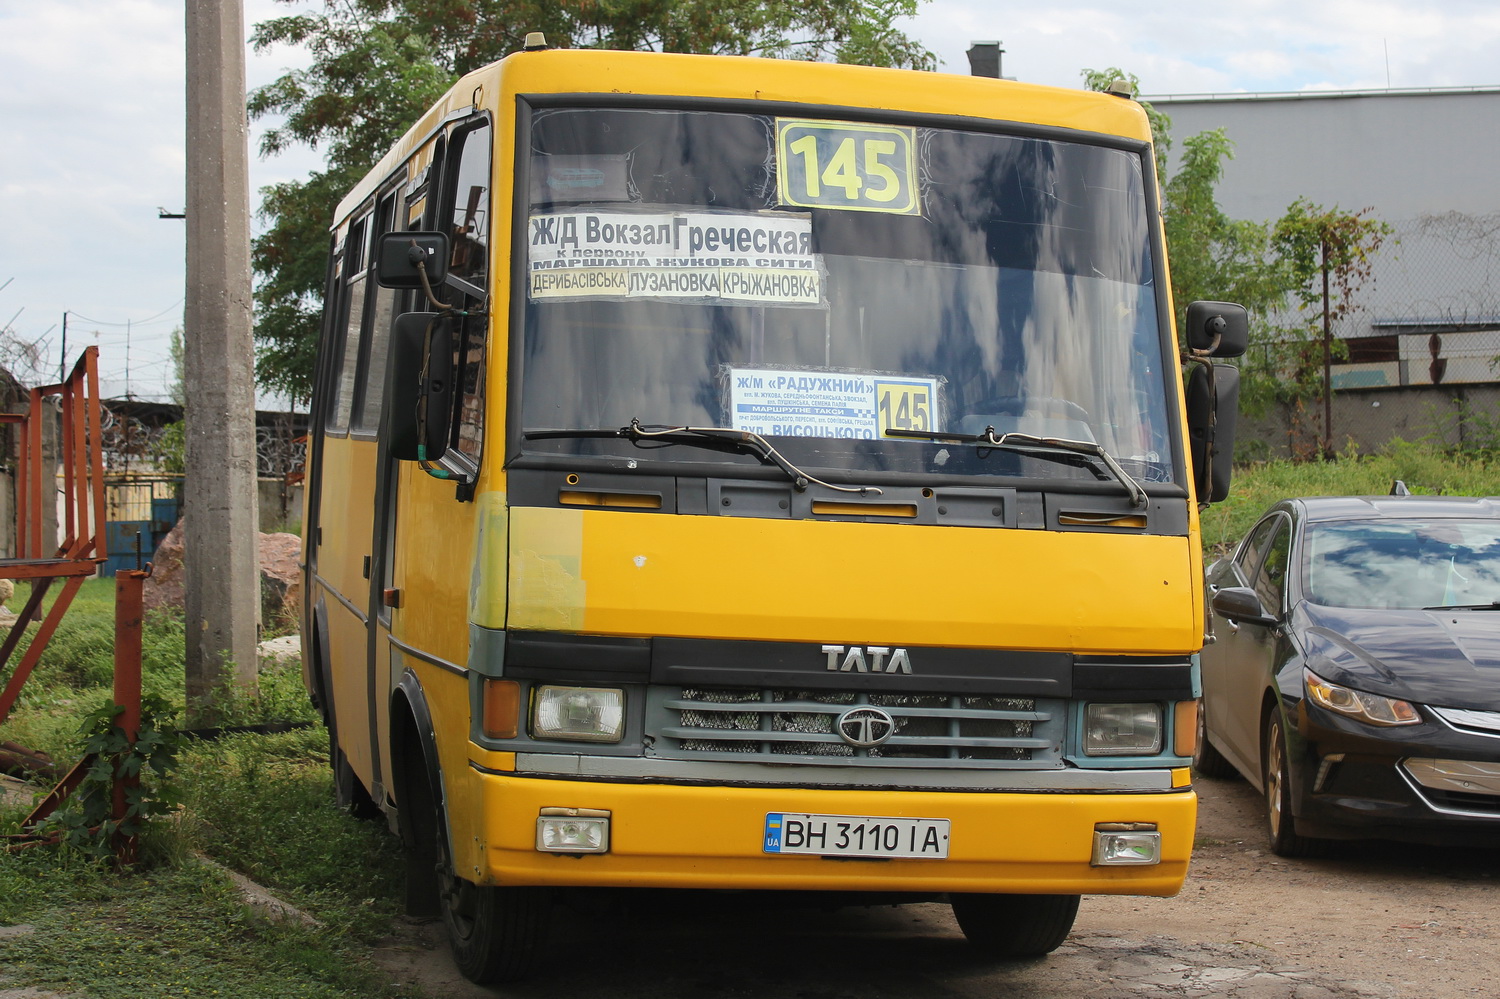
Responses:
[420,260]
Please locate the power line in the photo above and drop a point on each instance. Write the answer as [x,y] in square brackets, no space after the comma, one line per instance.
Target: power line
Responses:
[129,322]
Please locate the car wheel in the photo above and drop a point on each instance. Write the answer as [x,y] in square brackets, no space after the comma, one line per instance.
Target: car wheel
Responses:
[1281,825]
[1011,926]
[1207,760]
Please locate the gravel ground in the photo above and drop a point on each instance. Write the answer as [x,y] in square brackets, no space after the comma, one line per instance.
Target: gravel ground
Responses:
[1379,920]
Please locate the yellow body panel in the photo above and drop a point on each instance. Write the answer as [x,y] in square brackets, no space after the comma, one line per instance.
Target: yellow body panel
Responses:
[697,837]
[810,581]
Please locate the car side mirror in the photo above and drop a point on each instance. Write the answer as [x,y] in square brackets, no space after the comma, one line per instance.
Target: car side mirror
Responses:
[399,253]
[1217,329]
[1213,409]
[1240,603]
[421,342]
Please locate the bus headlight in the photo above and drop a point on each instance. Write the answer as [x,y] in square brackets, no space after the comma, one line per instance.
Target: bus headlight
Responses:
[1122,730]
[579,714]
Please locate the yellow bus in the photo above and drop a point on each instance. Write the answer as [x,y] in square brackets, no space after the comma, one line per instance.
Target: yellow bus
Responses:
[750,474]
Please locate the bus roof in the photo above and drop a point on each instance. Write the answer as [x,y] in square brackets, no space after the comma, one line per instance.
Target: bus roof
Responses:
[784,81]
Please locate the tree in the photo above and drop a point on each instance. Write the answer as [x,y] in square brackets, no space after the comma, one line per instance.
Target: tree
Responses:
[378,64]
[1215,257]
[1327,254]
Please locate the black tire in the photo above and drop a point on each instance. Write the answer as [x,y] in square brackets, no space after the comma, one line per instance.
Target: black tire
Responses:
[348,790]
[1207,760]
[1012,926]
[496,934]
[1281,825]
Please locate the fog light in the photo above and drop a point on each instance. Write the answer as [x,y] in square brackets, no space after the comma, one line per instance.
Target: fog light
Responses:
[579,714]
[1124,844]
[572,830]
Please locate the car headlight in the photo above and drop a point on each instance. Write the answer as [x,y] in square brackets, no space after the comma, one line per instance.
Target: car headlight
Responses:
[1122,730]
[579,714]
[1371,708]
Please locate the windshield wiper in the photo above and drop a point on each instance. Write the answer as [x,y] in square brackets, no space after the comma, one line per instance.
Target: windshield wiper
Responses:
[716,438]
[1492,605]
[1028,443]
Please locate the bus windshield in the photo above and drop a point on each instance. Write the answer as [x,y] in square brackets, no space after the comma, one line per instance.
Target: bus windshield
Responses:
[817,281]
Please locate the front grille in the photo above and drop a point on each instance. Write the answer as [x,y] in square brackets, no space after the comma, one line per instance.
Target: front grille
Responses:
[1479,804]
[790,725]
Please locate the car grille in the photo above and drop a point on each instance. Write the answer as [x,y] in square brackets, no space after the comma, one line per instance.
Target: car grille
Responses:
[1456,785]
[791,725]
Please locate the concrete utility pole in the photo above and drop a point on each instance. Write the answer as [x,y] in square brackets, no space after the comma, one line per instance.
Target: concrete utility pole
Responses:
[221,563]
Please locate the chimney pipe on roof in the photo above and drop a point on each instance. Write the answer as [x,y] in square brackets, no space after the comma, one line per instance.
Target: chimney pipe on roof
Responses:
[984,59]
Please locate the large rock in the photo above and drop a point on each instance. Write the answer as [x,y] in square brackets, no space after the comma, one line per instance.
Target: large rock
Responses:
[280,582]
[163,588]
[280,578]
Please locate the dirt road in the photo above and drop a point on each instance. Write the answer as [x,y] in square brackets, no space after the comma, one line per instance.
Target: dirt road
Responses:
[1378,921]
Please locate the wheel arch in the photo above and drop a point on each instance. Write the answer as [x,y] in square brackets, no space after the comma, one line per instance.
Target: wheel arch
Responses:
[414,754]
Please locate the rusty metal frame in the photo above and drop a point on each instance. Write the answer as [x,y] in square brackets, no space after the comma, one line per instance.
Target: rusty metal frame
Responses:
[75,559]
[78,556]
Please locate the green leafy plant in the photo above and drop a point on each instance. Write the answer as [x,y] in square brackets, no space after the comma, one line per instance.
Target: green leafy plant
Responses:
[86,820]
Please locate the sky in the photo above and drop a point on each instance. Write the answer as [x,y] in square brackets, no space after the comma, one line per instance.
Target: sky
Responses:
[92,111]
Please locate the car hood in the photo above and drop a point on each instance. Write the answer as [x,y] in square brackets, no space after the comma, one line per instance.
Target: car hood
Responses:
[1445,658]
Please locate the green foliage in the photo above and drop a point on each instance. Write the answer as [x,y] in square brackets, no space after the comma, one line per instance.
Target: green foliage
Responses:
[1425,470]
[1215,257]
[172,447]
[1315,241]
[176,389]
[85,821]
[1465,428]
[377,65]
[1326,255]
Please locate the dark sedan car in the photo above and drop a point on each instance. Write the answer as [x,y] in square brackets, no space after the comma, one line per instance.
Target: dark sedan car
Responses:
[1354,670]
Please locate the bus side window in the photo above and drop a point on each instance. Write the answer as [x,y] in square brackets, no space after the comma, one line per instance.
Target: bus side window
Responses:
[378,336]
[466,217]
[353,289]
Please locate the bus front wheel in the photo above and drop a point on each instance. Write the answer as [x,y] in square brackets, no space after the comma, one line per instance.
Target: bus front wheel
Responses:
[496,933]
[1011,926]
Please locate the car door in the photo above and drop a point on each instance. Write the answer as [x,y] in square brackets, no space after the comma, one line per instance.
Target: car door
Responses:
[1236,666]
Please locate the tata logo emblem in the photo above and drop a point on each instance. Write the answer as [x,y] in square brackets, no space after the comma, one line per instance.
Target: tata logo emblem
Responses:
[867,659]
[865,727]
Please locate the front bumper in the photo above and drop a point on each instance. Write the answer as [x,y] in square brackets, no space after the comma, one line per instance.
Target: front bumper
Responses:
[676,836]
[1355,782]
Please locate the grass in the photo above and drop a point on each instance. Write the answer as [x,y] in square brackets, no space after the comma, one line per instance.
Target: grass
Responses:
[258,804]
[1424,470]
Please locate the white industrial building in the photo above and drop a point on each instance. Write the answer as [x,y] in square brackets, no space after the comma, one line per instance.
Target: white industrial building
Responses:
[1427,332]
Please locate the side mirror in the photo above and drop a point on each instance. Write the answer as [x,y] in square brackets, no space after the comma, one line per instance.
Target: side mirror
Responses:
[1212,411]
[419,336]
[1240,603]
[399,253]
[1228,323]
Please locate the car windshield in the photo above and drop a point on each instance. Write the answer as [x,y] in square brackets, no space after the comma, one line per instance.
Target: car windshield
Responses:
[1404,563]
[816,282]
